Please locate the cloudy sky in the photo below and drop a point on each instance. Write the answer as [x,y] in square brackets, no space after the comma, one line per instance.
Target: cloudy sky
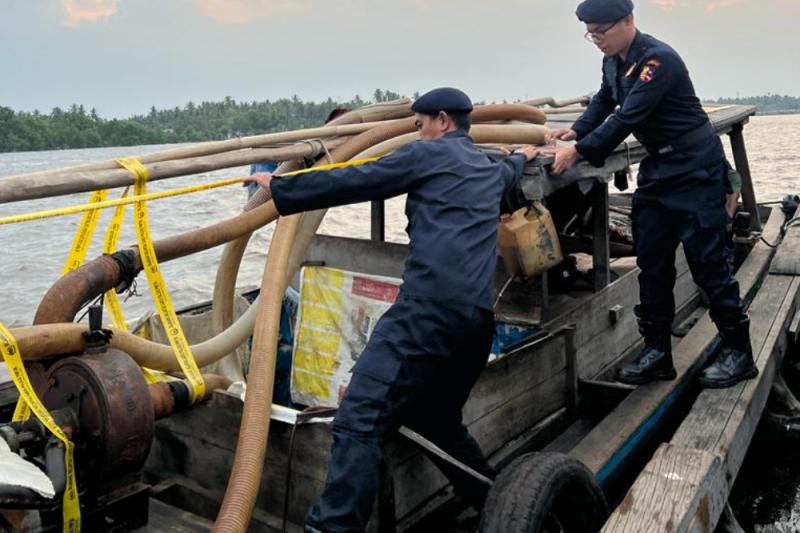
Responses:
[122,56]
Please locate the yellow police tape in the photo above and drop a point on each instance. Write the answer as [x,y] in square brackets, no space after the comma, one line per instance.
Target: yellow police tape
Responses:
[166,310]
[72,210]
[80,245]
[61,211]
[12,357]
[109,247]
[329,166]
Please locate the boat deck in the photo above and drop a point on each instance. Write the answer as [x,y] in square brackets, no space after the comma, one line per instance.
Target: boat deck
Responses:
[685,486]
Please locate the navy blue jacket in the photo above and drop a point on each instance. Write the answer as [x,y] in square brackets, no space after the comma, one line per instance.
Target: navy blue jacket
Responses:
[657,103]
[454,192]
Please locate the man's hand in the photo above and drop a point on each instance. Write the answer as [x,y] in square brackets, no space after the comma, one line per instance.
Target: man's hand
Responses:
[530,152]
[560,135]
[262,178]
[565,158]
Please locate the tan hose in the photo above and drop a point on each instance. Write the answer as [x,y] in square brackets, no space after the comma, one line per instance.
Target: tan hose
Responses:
[240,496]
[480,133]
[64,298]
[233,252]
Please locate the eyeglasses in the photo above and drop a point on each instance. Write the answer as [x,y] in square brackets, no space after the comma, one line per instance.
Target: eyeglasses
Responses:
[593,36]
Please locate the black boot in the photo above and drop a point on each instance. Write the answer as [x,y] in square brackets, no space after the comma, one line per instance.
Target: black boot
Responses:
[654,362]
[735,360]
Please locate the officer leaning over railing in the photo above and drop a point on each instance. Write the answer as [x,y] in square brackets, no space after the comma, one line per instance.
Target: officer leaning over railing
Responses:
[681,192]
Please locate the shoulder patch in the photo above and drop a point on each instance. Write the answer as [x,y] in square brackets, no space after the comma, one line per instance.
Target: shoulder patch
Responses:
[649,70]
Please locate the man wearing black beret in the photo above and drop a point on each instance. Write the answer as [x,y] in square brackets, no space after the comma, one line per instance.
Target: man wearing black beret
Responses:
[681,192]
[427,350]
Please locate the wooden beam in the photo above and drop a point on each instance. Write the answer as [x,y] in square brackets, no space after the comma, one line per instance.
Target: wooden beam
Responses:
[601,257]
[743,166]
[610,443]
[685,485]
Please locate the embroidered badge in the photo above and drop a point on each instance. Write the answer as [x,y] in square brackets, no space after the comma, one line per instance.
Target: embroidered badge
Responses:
[649,70]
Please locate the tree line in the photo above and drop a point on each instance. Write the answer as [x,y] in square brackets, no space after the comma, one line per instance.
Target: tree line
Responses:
[768,104]
[76,127]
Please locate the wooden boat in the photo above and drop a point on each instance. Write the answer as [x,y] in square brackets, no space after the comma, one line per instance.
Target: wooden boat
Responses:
[553,394]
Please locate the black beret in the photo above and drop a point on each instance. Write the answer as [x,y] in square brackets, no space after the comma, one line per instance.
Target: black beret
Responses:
[602,11]
[444,99]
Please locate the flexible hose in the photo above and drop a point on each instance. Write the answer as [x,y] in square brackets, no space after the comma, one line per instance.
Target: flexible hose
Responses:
[63,300]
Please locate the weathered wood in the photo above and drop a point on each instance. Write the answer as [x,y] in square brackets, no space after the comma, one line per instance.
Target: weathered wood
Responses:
[722,422]
[719,429]
[743,166]
[538,182]
[601,256]
[597,342]
[604,447]
[786,259]
[674,477]
[15,189]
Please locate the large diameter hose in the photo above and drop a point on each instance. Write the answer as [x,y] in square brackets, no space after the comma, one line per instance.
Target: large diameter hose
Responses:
[240,496]
[63,300]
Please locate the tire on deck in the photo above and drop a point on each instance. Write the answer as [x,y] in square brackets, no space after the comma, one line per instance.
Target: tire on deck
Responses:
[544,492]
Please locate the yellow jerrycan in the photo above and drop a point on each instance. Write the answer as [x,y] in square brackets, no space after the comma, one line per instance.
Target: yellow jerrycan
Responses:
[528,241]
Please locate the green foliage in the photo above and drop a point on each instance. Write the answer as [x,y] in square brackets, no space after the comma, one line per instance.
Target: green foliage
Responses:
[77,128]
[768,104]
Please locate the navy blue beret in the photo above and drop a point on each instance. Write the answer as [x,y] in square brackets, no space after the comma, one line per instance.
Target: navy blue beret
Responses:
[444,99]
[602,11]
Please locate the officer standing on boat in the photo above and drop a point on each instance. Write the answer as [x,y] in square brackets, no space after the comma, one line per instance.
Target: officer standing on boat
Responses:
[682,186]
[428,349]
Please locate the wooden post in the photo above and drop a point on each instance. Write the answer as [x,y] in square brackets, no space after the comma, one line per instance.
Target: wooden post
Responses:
[601,254]
[742,165]
[571,353]
[378,221]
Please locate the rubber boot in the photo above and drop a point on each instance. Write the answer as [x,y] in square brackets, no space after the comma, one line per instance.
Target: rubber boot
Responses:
[654,362]
[734,362]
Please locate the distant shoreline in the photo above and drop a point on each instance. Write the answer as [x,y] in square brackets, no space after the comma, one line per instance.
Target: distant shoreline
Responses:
[778,112]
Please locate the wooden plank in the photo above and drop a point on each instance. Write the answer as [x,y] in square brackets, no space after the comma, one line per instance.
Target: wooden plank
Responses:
[673,479]
[743,166]
[538,182]
[598,342]
[609,444]
[601,256]
[786,260]
[718,430]
[722,422]
[703,426]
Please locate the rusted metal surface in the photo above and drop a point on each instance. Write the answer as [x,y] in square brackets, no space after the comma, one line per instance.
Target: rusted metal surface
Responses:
[163,400]
[70,292]
[114,411]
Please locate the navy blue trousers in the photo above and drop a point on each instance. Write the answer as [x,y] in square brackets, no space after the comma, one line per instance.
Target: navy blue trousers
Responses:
[417,370]
[657,231]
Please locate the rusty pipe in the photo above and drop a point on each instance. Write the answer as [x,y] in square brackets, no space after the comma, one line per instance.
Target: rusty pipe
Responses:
[171,396]
[63,300]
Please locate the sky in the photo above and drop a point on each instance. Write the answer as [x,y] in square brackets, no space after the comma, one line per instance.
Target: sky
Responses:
[123,56]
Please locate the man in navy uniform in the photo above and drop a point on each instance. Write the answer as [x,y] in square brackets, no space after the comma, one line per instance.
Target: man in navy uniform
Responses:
[428,349]
[682,186]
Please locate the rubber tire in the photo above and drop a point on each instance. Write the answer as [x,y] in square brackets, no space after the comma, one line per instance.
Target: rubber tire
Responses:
[538,490]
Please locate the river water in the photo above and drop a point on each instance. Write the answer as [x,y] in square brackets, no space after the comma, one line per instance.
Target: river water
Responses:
[34,253]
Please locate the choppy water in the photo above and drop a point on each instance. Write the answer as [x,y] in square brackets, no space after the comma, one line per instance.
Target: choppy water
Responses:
[33,254]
